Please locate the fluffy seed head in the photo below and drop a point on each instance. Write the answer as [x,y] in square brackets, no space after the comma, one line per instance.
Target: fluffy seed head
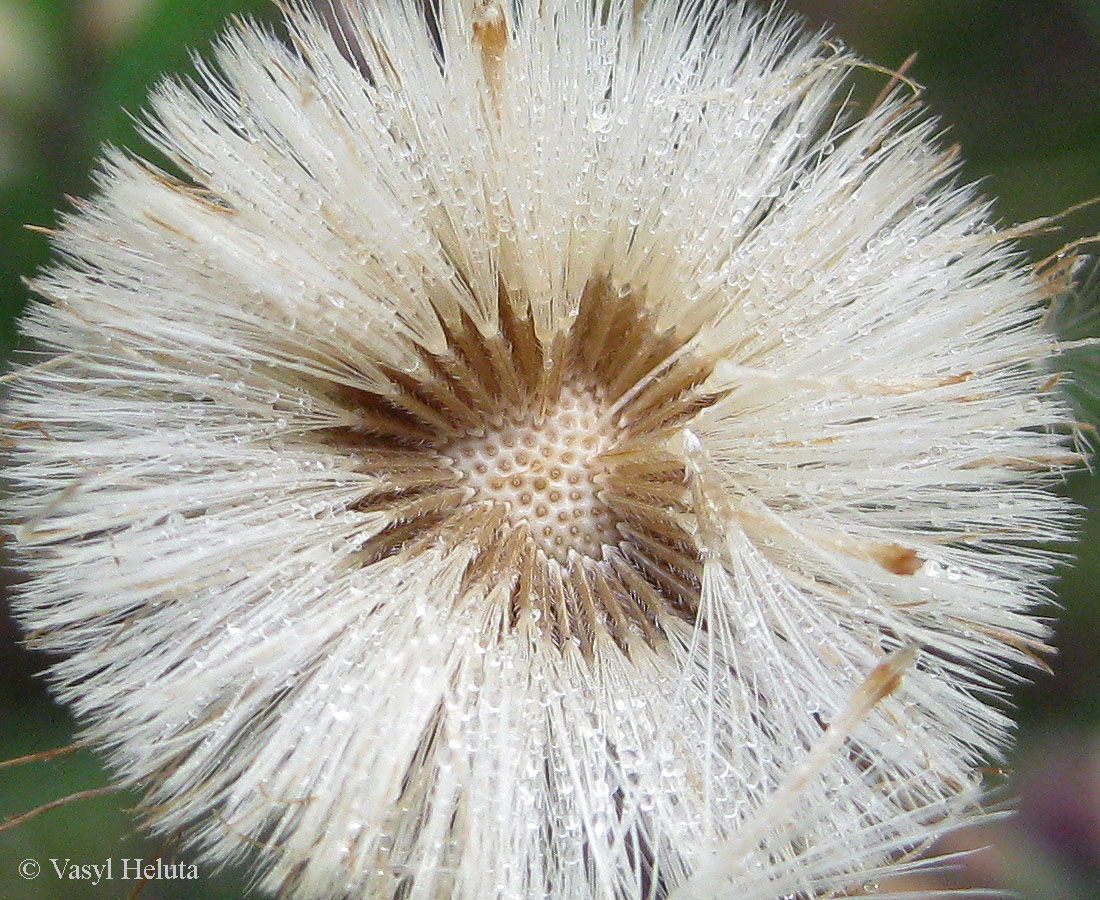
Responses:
[542,450]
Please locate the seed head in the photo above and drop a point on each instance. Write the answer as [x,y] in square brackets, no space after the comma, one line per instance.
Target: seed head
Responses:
[551,449]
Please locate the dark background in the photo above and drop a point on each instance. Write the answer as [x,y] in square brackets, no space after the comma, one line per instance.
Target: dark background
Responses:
[1017,84]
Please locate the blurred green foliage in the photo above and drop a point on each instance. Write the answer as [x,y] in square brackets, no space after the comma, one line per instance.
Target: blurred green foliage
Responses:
[1017,84]
[74,74]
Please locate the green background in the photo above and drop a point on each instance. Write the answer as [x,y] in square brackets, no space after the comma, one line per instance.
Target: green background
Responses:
[1017,84]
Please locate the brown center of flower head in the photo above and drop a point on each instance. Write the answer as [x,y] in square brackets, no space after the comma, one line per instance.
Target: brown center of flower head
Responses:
[555,460]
